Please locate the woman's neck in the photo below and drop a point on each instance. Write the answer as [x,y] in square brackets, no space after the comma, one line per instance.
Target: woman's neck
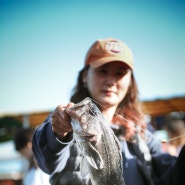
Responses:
[109,113]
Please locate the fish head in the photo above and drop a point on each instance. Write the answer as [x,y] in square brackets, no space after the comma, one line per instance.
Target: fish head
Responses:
[86,120]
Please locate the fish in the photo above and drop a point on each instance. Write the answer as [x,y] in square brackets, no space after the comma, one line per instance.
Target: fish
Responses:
[100,148]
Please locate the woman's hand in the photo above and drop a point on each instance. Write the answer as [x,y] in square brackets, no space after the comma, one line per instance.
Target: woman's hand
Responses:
[61,121]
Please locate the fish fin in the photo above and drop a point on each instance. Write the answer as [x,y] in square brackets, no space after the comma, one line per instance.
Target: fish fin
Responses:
[94,158]
[84,171]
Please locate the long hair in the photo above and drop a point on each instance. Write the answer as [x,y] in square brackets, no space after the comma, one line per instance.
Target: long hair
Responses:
[128,113]
[80,92]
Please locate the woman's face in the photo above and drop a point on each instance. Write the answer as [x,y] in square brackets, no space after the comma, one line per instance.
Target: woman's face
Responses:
[108,84]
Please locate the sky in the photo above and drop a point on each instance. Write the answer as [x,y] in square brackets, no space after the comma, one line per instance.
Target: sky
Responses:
[43,45]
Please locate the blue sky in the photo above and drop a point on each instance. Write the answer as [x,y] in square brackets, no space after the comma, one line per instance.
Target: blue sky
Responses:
[43,44]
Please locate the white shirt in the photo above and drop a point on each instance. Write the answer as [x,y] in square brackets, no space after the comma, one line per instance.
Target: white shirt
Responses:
[36,177]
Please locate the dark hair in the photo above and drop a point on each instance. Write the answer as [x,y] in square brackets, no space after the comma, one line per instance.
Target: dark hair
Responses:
[129,108]
[22,137]
[80,92]
[171,124]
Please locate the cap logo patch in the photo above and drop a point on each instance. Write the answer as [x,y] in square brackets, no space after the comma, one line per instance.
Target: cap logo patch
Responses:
[114,47]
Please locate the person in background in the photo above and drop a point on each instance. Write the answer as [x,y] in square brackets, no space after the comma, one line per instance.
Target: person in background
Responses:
[23,144]
[174,124]
[108,78]
[148,120]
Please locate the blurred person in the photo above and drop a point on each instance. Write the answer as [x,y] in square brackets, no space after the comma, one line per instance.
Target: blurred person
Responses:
[23,144]
[174,124]
[108,78]
[148,120]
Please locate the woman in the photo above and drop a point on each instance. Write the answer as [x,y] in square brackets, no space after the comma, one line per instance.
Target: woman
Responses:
[107,78]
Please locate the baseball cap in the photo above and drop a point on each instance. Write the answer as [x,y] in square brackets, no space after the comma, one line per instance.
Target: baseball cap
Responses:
[108,50]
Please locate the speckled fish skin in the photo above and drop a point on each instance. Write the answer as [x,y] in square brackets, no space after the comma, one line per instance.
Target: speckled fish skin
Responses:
[98,144]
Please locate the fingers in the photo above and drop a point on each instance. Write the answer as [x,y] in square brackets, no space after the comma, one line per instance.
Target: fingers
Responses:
[61,121]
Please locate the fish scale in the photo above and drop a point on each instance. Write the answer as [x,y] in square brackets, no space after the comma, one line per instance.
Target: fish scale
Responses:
[100,147]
